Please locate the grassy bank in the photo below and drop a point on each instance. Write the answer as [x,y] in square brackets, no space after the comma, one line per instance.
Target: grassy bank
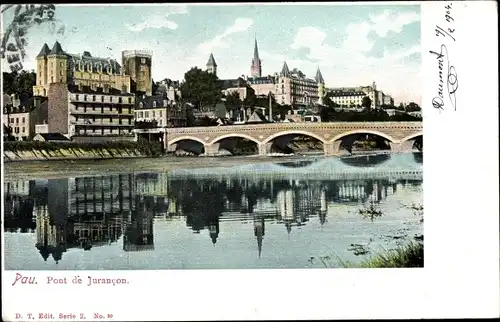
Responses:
[36,150]
[411,255]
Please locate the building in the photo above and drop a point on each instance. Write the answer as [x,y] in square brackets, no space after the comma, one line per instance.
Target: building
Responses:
[82,70]
[347,97]
[160,109]
[387,100]
[239,85]
[212,65]
[353,96]
[294,88]
[137,64]
[264,85]
[85,114]
[21,117]
[256,67]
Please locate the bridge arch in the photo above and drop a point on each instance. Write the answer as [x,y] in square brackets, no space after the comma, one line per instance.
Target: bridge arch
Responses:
[292,132]
[185,138]
[234,135]
[361,131]
[413,136]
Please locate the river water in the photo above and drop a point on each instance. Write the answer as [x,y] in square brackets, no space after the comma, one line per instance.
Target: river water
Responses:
[300,214]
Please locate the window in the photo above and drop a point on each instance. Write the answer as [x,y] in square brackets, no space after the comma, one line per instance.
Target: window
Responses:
[154,104]
[110,120]
[93,108]
[22,129]
[130,100]
[141,105]
[146,114]
[141,115]
[52,79]
[17,120]
[119,99]
[153,114]
[60,72]
[85,97]
[102,98]
[161,114]
[24,120]
[93,98]
[111,98]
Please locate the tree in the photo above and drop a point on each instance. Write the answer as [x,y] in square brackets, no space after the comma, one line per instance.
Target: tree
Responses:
[201,87]
[233,101]
[412,107]
[366,102]
[19,83]
[250,100]
[401,107]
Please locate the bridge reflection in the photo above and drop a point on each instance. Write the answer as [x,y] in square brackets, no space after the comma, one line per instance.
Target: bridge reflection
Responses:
[88,212]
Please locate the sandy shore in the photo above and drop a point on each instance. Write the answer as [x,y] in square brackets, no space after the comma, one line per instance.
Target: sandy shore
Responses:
[27,170]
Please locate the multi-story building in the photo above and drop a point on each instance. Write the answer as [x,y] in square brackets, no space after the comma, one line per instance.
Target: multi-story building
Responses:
[21,117]
[83,114]
[294,88]
[387,100]
[57,66]
[159,109]
[238,85]
[353,96]
[264,85]
[137,64]
[347,97]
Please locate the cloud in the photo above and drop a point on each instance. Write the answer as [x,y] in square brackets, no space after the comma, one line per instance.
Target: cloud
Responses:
[389,21]
[239,25]
[348,64]
[159,21]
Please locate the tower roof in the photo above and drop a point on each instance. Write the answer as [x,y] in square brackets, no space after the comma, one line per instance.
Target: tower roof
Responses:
[57,49]
[256,51]
[211,61]
[285,71]
[44,52]
[319,78]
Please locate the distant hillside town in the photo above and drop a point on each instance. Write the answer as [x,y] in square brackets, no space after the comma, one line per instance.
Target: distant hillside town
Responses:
[81,97]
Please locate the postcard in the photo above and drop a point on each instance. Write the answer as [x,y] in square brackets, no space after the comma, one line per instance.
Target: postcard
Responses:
[249,161]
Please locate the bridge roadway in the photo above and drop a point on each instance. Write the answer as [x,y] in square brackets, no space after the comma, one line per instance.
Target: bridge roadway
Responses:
[401,135]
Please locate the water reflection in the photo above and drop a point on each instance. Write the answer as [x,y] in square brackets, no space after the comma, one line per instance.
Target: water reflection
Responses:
[92,212]
[366,160]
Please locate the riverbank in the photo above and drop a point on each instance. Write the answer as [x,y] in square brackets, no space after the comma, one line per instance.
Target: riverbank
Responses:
[53,169]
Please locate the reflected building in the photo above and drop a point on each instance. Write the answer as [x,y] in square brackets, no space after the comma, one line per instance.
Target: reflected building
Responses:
[138,234]
[259,228]
[323,208]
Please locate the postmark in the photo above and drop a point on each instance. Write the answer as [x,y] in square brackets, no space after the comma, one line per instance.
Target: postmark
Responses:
[15,40]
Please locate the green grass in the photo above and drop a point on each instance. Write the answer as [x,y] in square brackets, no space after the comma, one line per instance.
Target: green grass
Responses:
[411,255]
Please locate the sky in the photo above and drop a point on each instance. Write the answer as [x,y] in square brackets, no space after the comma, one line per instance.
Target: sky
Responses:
[352,44]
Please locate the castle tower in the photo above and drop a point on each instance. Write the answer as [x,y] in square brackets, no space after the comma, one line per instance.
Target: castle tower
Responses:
[256,68]
[212,65]
[137,64]
[57,66]
[321,86]
[41,84]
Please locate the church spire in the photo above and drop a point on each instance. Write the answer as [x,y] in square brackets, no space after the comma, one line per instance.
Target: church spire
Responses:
[319,77]
[256,68]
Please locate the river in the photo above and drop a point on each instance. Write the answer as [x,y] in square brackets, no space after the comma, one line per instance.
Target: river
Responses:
[307,213]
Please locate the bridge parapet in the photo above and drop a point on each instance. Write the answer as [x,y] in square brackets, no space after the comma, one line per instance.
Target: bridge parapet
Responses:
[328,133]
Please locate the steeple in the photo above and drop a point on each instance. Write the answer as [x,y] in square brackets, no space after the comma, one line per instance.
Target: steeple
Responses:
[44,52]
[319,78]
[211,61]
[256,68]
[211,65]
[285,71]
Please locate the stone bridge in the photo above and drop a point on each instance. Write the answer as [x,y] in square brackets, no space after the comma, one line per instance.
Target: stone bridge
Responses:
[400,135]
